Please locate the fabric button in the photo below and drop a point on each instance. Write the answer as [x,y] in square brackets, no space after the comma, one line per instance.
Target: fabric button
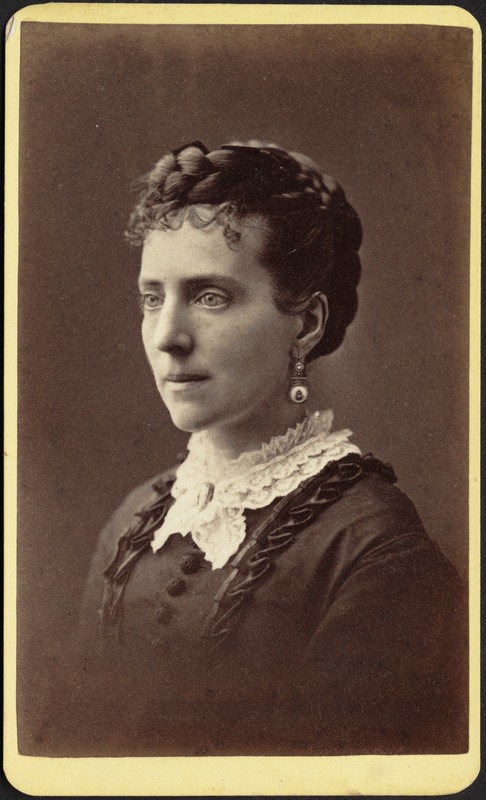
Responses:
[163,615]
[175,586]
[191,563]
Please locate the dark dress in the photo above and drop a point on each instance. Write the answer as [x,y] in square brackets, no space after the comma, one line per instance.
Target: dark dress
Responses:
[337,628]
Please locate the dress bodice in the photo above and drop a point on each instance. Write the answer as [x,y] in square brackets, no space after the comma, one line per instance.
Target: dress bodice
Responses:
[332,629]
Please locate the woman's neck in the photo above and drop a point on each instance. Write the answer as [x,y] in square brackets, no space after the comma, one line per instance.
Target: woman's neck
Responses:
[231,440]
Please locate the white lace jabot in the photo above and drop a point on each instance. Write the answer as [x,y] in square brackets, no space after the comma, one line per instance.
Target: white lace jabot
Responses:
[211,493]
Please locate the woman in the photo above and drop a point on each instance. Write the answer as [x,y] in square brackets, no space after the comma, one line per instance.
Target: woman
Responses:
[274,593]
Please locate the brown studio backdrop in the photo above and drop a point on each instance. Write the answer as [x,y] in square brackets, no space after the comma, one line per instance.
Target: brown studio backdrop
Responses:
[384,109]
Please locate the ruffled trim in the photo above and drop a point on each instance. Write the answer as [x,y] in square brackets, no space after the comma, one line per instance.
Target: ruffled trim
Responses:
[293,513]
[256,480]
[204,465]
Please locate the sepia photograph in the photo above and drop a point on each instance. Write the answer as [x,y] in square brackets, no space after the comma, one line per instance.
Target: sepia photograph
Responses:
[244,361]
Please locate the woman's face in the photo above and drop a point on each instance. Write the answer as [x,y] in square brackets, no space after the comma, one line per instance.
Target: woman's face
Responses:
[218,346]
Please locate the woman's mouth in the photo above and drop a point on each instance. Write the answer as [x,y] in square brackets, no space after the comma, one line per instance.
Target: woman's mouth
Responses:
[184,382]
[186,378]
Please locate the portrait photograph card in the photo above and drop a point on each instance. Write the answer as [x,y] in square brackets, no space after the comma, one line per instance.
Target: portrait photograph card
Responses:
[242,400]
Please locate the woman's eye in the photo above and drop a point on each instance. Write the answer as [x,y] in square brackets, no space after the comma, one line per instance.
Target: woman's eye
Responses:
[212,299]
[149,302]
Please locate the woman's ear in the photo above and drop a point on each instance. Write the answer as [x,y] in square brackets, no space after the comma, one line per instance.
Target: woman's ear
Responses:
[314,318]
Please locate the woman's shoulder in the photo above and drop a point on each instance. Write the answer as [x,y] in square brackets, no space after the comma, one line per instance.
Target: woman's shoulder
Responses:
[358,510]
[366,521]
[361,488]
[377,494]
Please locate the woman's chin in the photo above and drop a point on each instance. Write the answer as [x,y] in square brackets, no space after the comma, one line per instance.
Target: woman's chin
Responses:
[191,420]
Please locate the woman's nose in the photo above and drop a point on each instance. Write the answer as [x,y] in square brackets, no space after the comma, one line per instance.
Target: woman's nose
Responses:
[172,329]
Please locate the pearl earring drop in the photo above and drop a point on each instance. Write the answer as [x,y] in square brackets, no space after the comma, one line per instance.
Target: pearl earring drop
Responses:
[298,382]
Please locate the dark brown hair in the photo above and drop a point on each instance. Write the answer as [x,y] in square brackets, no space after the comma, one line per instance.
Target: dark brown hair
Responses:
[311,233]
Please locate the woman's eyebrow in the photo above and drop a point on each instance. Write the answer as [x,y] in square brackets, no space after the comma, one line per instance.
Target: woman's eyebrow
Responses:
[195,282]
[213,279]
[144,283]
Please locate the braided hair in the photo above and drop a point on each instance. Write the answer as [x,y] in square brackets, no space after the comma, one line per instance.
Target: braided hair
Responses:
[311,234]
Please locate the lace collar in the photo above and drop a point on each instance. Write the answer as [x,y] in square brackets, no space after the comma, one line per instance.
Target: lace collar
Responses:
[212,494]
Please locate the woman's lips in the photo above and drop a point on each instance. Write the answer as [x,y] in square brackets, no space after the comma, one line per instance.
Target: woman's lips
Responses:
[185,382]
[187,378]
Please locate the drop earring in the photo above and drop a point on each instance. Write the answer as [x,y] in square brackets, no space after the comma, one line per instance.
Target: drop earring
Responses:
[299,392]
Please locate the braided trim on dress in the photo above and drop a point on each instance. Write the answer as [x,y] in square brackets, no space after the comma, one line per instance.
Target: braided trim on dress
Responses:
[320,490]
[271,538]
[131,545]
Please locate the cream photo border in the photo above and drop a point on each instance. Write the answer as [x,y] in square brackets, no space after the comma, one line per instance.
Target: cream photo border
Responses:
[168,776]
